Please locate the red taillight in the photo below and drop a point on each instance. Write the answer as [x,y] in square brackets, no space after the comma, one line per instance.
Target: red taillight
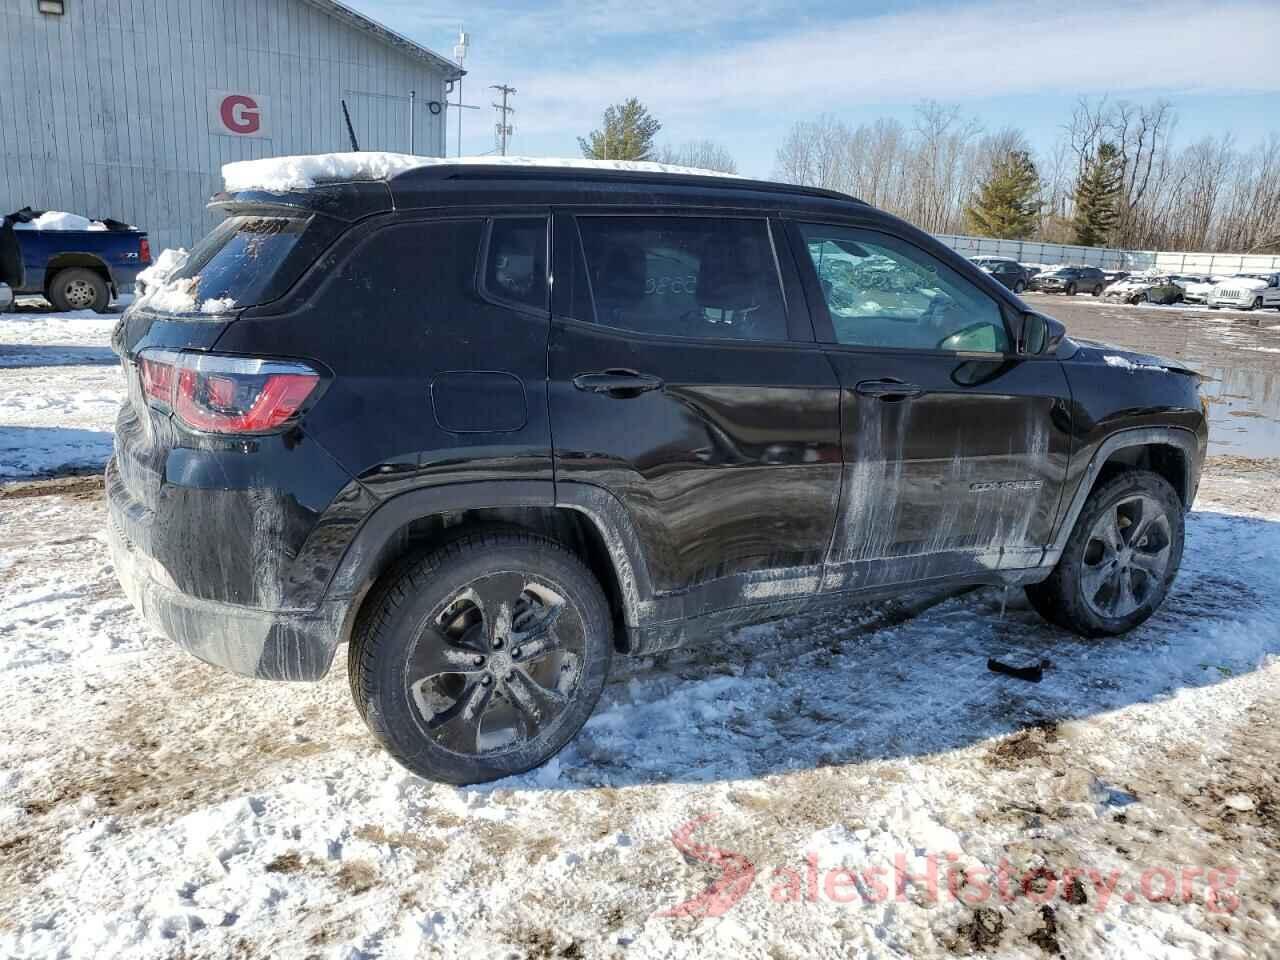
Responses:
[157,379]
[144,250]
[217,394]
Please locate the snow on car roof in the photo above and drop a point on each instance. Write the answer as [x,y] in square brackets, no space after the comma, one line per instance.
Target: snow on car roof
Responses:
[281,174]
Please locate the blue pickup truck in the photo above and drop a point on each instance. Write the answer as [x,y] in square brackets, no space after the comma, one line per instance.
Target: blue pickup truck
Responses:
[74,269]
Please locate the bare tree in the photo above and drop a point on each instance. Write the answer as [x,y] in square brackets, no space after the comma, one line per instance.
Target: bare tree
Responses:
[701,154]
[1206,196]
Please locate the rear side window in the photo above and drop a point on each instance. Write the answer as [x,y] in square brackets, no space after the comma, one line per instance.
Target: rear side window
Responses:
[515,262]
[684,276]
[252,260]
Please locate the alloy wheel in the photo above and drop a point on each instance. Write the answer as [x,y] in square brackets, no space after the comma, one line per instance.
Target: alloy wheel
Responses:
[1126,557]
[495,666]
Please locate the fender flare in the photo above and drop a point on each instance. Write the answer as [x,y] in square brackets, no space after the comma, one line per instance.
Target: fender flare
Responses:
[1185,440]
[378,533]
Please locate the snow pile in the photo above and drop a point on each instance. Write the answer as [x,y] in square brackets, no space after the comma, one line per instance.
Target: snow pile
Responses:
[220,305]
[281,174]
[58,220]
[163,267]
[171,296]
[162,295]
[1125,364]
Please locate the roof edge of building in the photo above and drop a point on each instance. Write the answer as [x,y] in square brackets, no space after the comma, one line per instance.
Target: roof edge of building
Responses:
[340,11]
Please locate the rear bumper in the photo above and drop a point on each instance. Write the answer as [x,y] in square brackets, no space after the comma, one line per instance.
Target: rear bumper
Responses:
[264,644]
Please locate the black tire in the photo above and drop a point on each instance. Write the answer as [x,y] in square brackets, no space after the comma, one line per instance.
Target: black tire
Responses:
[1256,305]
[1062,598]
[1097,291]
[449,596]
[1071,289]
[1019,286]
[78,288]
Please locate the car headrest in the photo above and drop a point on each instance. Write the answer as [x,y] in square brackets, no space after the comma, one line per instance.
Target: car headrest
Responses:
[620,274]
[729,274]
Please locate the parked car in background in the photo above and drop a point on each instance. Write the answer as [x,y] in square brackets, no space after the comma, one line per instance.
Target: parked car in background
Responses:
[1247,291]
[1071,280]
[1005,269]
[1196,289]
[1112,276]
[262,514]
[1145,288]
[73,262]
[6,297]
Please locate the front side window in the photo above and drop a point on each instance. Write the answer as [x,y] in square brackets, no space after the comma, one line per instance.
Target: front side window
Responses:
[684,276]
[515,267]
[884,292]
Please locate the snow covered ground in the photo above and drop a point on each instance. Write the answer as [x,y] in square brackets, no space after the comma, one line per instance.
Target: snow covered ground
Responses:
[151,806]
[60,388]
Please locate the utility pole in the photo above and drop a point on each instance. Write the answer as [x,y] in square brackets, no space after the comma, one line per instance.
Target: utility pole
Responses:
[503,128]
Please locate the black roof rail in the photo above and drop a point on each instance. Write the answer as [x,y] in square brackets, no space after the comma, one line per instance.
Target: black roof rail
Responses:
[504,171]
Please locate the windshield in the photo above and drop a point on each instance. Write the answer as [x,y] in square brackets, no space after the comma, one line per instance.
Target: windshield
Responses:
[241,258]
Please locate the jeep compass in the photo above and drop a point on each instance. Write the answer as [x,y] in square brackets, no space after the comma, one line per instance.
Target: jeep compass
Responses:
[491,425]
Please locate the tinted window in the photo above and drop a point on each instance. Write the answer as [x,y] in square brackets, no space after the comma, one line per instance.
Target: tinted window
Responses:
[244,259]
[884,292]
[684,276]
[515,266]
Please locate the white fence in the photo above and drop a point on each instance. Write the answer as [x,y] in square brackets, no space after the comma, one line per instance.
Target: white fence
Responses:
[1030,251]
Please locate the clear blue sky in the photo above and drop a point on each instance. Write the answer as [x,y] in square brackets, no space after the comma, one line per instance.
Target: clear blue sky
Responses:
[741,71]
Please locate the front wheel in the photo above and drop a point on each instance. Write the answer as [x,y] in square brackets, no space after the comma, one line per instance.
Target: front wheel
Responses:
[1071,289]
[1256,305]
[483,658]
[1120,559]
[1097,291]
[1019,286]
[79,289]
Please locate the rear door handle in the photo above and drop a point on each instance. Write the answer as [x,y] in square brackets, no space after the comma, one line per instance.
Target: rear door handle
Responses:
[621,384]
[889,390]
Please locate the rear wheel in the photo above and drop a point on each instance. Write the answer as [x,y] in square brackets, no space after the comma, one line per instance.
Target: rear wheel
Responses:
[1120,559]
[482,659]
[79,288]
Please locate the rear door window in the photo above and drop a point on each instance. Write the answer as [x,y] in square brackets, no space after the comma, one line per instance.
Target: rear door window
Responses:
[515,263]
[685,276]
[251,260]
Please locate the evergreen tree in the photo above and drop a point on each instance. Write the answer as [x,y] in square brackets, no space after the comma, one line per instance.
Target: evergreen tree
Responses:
[1005,204]
[1098,198]
[627,134]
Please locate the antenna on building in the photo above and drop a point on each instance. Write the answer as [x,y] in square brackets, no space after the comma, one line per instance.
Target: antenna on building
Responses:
[460,54]
[355,146]
[503,129]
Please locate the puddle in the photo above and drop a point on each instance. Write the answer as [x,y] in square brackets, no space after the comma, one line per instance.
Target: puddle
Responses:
[1238,355]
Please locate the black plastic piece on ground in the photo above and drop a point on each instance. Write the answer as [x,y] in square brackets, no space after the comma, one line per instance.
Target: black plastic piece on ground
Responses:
[1030,674]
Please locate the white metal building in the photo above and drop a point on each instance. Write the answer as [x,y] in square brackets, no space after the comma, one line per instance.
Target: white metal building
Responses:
[129,108]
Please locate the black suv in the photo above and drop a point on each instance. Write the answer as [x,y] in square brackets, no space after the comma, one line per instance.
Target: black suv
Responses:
[1071,280]
[492,425]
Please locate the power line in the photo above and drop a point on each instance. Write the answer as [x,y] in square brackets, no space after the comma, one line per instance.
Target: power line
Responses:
[502,127]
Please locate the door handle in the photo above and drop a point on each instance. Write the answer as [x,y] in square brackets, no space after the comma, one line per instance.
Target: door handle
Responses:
[621,384]
[889,390]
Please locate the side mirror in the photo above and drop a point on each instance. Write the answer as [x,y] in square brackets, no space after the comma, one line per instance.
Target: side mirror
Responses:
[1040,335]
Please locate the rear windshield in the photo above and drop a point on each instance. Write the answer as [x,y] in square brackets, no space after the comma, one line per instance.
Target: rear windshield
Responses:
[247,259]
